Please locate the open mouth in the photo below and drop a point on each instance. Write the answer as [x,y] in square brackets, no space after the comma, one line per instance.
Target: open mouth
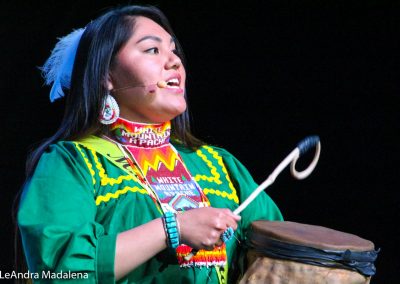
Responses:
[173,83]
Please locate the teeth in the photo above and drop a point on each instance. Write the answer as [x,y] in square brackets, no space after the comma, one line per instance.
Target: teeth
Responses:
[173,81]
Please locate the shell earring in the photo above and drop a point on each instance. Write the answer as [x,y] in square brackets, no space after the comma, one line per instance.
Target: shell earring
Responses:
[110,111]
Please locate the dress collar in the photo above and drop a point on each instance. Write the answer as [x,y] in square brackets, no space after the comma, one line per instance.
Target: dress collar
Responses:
[140,134]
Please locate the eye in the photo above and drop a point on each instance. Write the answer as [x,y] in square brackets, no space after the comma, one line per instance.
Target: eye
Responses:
[153,50]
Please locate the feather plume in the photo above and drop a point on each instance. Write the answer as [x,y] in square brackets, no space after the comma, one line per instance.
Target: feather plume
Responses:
[57,69]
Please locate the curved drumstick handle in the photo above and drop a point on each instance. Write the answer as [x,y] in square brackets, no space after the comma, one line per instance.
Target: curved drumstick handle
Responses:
[301,149]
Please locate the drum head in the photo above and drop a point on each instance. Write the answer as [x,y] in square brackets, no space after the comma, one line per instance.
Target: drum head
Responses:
[308,235]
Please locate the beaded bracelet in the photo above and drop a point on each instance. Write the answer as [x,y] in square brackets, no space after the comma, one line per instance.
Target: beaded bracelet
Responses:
[171,228]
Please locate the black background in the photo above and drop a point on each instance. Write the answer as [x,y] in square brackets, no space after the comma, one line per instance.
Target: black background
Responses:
[262,75]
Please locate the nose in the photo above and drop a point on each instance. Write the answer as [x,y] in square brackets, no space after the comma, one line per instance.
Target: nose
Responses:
[173,62]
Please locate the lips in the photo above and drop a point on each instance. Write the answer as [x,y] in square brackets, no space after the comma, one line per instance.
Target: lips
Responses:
[174,81]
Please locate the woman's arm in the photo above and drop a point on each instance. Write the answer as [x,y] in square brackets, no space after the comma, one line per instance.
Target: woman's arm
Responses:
[138,245]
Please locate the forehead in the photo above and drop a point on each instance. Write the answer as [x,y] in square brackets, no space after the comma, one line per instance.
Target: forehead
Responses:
[145,26]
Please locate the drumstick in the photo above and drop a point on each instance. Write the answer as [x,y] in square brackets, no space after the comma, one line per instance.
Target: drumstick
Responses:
[302,147]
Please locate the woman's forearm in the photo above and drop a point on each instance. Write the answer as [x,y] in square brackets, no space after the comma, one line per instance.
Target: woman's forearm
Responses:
[138,245]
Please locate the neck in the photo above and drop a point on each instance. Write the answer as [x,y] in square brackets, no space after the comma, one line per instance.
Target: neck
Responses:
[138,134]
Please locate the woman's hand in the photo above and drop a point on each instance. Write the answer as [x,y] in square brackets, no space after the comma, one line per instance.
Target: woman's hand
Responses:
[202,228]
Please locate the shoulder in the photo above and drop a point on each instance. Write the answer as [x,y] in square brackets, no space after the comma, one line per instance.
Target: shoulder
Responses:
[81,148]
[60,164]
[66,156]
[88,151]
[60,154]
[60,150]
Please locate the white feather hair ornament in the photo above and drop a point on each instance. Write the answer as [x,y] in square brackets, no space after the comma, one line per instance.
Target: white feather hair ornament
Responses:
[57,69]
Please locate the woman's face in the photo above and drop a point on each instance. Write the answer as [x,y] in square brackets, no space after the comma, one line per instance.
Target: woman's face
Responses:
[147,58]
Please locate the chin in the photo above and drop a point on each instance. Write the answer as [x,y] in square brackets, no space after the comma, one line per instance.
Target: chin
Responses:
[177,112]
[182,109]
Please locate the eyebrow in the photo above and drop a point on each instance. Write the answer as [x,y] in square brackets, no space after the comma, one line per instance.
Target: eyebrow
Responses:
[155,38]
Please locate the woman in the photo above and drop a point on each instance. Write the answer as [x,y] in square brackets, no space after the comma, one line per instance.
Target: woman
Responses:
[123,192]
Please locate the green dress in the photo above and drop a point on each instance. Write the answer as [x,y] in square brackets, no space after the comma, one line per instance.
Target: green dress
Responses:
[81,196]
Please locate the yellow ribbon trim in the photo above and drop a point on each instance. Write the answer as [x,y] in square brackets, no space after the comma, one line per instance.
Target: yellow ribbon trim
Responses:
[104,178]
[115,195]
[231,196]
[221,163]
[88,164]
[215,175]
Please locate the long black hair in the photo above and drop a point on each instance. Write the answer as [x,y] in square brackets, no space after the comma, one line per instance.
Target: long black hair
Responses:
[98,46]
